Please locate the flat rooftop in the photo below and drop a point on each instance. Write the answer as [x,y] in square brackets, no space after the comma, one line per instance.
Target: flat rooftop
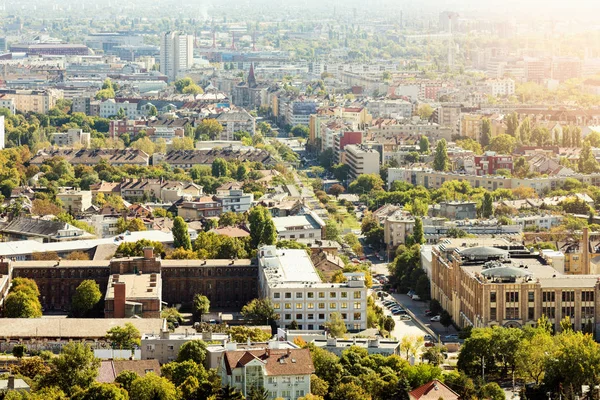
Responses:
[244,262]
[137,286]
[65,328]
[62,264]
[297,222]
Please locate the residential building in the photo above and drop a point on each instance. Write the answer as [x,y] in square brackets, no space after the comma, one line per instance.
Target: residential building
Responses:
[42,231]
[385,347]
[93,157]
[298,112]
[396,228]
[235,200]
[111,108]
[493,282]
[163,345]
[433,390]
[283,373]
[289,279]
[470,126]
[36,101]
[362,160]
[163,190]
[176,54]
[51,49]
[110,369]
[188,158]
[72,138]
[305,226]
[489,163]
[198,209]
[75,200]
[235,121]
[455,210]
[341,140]
[131,295]
[501,87]
[7,103]
[390,108]
[537,222]
[448,114]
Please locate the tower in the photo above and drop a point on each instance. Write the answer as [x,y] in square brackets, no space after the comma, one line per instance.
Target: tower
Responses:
[233,41]
[251,77]
[176,53]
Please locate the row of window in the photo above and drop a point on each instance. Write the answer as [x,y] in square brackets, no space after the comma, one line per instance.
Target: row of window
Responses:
[550,312]
[321,295]
[513,297]
[321,306]
[321,317]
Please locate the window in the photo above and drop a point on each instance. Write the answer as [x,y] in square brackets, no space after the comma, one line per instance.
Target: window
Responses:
[344,295]
[321,306]
[285,394]
[344,316]
[357,316]
[310,295]
[299,379]
[170,347]
[288,316]
[512,297]
[300,393]
[357,305]
[288,306]
[276,295]
[332,295]
[549,312]
[332,306]
[276,306]
[321,295]
[548,296]
[298,295]
[587,312]
[493,314]
[530,297]
[238,379]
[344,305]
[568,295]
[288,295]
[357,295]
[286,379]
[298,316]
[310,306]
[511,313]
[321,316]
[271,380]
[568,311]
[492,297]
[311,316]
[587,296]
[298,306]
[531,313]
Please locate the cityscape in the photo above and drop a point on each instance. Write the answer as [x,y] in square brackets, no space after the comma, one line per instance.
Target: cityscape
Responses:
[276,200]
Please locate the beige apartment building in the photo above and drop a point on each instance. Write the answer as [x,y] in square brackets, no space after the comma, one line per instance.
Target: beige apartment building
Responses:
[397,227]
[38,101]
[362,160]
[75,200]
[488,282]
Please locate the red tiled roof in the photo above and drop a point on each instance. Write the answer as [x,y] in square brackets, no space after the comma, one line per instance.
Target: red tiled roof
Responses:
[276,362]
[433,390]
[109,369]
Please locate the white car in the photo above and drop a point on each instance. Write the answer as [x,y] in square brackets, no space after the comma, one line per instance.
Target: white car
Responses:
[435,318]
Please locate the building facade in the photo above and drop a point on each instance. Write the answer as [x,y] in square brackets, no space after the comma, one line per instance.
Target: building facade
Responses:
[176,54]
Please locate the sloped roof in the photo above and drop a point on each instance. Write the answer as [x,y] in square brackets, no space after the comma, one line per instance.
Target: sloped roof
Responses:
[109,369]
[34,226]
[482,251]
[276,362]
[433,390]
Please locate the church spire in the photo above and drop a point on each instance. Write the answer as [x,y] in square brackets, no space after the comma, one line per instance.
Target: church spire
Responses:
[251,77]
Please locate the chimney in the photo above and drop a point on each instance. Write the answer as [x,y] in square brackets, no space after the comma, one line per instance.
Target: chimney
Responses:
[119,301]
[11,383]
[165,334]
[148,252]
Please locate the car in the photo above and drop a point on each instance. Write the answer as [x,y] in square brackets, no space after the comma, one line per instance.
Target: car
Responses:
[380,258]
[410,293]
[398,312]
[451,337]
[429,344]
[404,317]
[415,297]
[435,318]
[428,338]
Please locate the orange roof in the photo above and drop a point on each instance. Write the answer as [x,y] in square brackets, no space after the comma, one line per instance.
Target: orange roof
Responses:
[231,231]
[433,390]
[276,362]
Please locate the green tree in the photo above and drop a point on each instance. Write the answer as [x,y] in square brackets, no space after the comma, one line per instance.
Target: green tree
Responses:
[349,391]
[19,351]
[153,387]
[182,83]
[441,162]
[418,234]
[365,183]
[178,371]
[335,325]
[201,305]
[424,145]
[219,168]
[229,393]
[125,379]
[332,231]
[503,144]
[300,131]
[424,111]
[259,311]
[210,128]
[23,299]
[487,207]
[262,227]
[256,393]
[491,391]
[512,123]
[102,391]
[86,297]
[75,367]
[124,337]
[181,236]
[131,225]
[486,132]
[194,350]
[445,319]
[587,163]
[241,334]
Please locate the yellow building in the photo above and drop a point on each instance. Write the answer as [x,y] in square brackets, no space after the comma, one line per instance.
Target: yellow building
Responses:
[37,101]
[470,126]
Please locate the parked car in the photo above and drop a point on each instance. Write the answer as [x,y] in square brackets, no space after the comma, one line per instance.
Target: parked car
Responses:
[428,313]
[428,338]
[451,337]
[435,318]
[410,293]
[398,312]
[404,317]
[416,297]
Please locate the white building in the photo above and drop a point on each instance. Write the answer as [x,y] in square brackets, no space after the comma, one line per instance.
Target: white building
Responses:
[289,279]
[164,346]
[71,138]
[283,373]
[306,226]
[110,107]
[362,160]
[236,200]
[502,87]
[176,54]
[545,221]
[75,200]
[387,108]
[8,104]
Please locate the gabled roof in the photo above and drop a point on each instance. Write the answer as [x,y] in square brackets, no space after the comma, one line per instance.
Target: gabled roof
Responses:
[433,390]
[109,369]
[276,362]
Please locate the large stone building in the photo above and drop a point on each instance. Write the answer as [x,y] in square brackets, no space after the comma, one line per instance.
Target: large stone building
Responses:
[487,282]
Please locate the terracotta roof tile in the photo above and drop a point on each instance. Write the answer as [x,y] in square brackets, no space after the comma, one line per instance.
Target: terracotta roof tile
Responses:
[277,362]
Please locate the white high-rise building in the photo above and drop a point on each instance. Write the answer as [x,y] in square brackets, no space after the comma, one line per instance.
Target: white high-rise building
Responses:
[176,53]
